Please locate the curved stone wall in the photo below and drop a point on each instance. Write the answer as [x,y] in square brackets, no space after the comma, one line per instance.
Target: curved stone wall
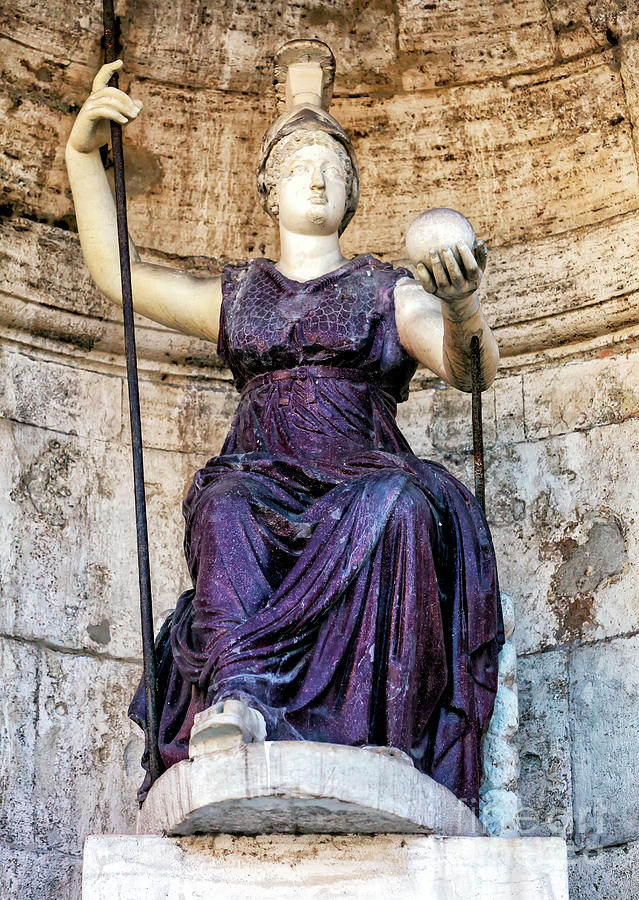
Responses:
[522,115]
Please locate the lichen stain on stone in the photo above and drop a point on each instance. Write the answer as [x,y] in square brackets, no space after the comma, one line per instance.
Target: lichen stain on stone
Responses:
[143,170]
[583,569]
[45,484]
[100,632]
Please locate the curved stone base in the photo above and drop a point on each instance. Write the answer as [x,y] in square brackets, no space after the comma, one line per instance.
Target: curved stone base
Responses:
[301,787]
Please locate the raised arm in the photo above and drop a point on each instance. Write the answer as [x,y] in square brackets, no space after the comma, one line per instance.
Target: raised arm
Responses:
[439,314]
[168,296]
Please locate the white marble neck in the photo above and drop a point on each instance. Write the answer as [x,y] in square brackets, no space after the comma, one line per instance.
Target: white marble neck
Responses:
[307,256]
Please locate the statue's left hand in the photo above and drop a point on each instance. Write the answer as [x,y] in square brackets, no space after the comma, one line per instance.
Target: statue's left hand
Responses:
[443,276]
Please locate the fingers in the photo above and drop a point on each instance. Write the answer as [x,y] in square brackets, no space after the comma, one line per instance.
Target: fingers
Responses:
[427,280]
[115,99]
[481,252]
[454,272]
[469,262]
[104,74]
[439,273]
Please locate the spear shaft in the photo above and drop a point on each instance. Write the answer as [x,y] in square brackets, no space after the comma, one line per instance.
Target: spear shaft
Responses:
[478,434]
[144,573]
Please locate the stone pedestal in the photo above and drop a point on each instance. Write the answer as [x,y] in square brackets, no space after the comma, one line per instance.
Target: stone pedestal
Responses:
[301,787]
[310,867]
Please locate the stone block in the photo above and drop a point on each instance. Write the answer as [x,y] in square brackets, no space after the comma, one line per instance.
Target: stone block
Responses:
[454,45]
[543,740]
[71,758]
[562,512]
[509,410]
[299,787]
[51,28]
[318,866]
[499,153]
[630,76]
[582,26]
[222,48]
[31,875]
[604,708]
[580,395]
[610,874]
[65,398]
[185,417]
[71,539]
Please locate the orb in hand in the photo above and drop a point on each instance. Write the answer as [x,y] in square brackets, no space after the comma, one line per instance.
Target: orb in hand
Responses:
[435,230]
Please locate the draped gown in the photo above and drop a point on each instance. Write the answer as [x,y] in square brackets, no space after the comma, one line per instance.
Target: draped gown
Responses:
[342,586]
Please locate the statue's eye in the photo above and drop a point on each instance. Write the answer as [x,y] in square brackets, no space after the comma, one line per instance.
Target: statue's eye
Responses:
[298,169]
[333,171]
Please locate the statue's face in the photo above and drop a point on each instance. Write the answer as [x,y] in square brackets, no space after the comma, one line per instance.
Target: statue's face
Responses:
[312,191]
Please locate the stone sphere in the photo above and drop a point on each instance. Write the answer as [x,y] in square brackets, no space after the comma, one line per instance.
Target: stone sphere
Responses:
[436,229]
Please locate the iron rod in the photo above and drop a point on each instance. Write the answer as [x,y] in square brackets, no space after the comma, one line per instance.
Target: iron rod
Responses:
[478,435]
[144,574]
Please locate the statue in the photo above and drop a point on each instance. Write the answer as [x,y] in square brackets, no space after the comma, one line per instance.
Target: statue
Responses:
[344,590]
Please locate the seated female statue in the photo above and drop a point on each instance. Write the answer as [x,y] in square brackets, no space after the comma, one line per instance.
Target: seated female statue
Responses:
[344,590]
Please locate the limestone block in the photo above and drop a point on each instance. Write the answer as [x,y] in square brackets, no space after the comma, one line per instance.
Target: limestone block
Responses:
[437,421]
[69,760]
[561,520]
[457,44]
[71,539]
[32,875]
[604,697]
[48,299]
[319,866]
[499,153]
[509,409]
[630,75]
[185,418]
[586,25]
[580,395]
[612,873]
[301,787]
[543,740]
[222,48]
[54,29]
[68,399]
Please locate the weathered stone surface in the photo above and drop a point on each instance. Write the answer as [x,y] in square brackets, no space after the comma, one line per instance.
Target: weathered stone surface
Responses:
[67,762]
[552,515]
[75,494]
[221,47]
[604,701]
[33,875]
[65,398]
[586,25]
[299,787]
[580,395]
[457,44]
[543,740]
[350,866]
[71,32]
[609,873]
[481,149]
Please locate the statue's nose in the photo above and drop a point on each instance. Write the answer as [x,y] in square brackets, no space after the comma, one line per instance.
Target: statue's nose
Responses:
[317,178]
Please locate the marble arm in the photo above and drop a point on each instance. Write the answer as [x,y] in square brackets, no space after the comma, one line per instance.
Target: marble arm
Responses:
[437,333]
[168,296]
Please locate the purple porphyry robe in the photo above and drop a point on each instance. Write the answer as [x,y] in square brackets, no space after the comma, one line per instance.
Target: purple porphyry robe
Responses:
[342,586]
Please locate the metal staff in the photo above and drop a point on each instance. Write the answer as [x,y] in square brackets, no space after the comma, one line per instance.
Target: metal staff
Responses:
[478,435]
[146,605]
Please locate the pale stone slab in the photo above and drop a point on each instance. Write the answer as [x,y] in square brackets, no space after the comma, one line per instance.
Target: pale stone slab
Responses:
[496,39]
[68,503]
[320,866]
[562,521]
[543,739]
[299,787]
[611,873]
[66,398]
[70,755]
[37,875]
[604,698]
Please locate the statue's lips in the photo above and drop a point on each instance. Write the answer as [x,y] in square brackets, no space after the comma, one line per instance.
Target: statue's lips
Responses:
[318,199]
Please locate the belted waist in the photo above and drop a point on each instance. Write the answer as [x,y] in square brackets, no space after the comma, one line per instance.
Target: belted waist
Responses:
[305,377]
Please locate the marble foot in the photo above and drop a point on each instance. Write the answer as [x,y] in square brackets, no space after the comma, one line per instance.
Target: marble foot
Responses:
[225,725]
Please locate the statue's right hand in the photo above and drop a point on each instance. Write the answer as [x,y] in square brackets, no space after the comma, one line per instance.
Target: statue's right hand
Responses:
[104,105]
